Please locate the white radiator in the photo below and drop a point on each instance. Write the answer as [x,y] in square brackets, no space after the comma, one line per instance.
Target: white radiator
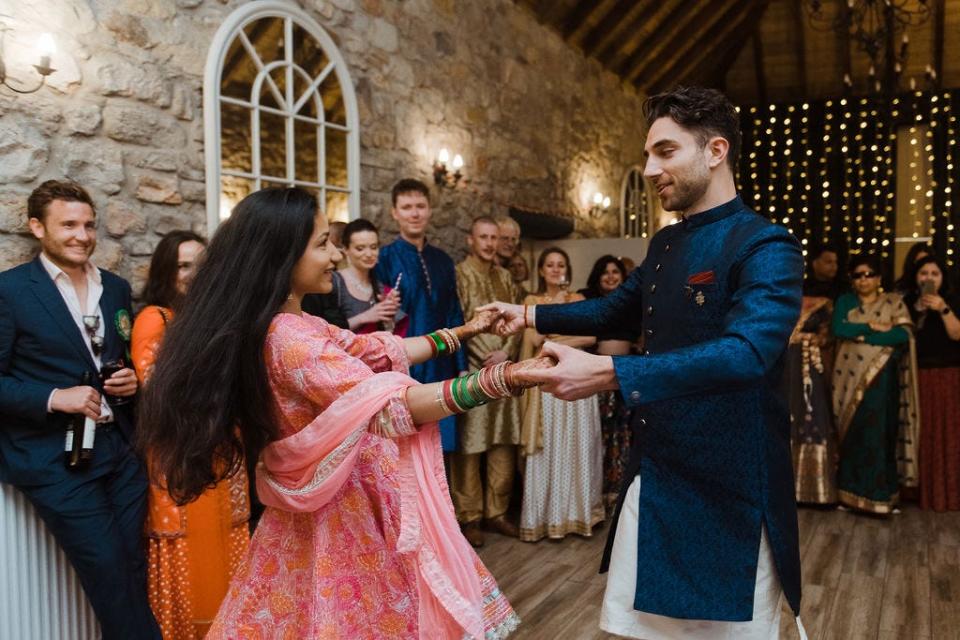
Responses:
[40,594]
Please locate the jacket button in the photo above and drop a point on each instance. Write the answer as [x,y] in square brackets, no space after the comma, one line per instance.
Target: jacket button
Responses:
[653,288]
[666,248]
[658,266]
[635,396]
[643,422]
[649,332]
[650,311]
[646,352]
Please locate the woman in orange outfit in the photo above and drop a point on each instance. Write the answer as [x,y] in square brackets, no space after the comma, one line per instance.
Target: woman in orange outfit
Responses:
[192,551]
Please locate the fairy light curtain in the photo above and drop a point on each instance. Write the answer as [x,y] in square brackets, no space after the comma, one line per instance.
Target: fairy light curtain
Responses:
[830,171]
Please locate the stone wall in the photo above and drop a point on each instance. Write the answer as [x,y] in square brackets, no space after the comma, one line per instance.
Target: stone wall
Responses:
[538,125]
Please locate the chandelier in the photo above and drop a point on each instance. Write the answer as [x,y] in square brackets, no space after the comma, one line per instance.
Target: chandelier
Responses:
[870,23]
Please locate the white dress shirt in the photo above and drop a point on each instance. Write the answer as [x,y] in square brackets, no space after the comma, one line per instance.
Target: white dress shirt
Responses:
[90,307]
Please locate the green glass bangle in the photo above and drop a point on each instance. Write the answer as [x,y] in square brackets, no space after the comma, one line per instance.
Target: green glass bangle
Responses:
[468,393]
[477,389]
[458,396]
[438,341]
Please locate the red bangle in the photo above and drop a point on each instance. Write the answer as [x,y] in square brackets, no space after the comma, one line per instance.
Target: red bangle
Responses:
[448,397]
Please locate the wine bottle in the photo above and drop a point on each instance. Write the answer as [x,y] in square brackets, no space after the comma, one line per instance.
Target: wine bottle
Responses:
[81,433]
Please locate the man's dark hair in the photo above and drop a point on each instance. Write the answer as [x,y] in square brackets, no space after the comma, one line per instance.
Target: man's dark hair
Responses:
[705,112]
[408,185]
[161,286]
[51,190]
[820,249]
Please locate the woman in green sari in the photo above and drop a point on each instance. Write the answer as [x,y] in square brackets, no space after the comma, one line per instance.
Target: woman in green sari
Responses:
[874,392]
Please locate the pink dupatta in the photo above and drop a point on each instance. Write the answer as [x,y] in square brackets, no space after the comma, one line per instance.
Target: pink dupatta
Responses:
[304,471]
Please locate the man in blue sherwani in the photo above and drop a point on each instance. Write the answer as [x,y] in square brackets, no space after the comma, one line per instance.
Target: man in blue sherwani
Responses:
[61,318]
[705,537]
[428,286]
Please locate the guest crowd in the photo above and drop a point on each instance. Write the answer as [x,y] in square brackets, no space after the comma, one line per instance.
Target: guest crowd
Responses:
[873,386]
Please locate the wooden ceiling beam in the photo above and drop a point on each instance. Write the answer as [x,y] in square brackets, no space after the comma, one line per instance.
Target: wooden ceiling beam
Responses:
[713,69]
[622,13]
[637,29]
[758,68]
[573,20]
[684,59]
[800,46]
[672,30]
[939,20]
[846,64]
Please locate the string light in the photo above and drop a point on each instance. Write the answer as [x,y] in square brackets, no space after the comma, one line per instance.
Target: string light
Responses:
[826,170]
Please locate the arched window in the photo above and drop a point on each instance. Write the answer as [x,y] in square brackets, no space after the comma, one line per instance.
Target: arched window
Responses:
[636,206]
[279,110]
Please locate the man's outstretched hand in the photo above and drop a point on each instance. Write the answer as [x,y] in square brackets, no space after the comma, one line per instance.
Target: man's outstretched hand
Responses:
[510,320]
[576,375]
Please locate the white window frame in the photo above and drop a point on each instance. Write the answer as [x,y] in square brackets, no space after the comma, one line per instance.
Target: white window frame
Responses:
[633,178]
[232,26]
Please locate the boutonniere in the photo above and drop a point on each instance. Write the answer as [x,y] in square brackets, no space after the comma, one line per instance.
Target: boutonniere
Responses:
[123,323]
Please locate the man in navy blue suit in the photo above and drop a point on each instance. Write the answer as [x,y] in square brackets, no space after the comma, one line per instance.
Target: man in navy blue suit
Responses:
[708,545]
[60,319]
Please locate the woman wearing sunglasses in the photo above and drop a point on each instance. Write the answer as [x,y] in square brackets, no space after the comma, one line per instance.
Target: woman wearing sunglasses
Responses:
[874,392]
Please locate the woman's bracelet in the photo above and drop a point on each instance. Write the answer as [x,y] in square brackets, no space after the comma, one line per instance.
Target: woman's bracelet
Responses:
[443,342]
[459,395]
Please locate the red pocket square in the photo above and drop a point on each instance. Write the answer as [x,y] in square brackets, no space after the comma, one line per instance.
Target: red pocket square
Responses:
[704,277]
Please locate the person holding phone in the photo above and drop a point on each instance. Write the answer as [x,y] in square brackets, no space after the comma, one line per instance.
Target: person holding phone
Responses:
[933,306]
[368,304]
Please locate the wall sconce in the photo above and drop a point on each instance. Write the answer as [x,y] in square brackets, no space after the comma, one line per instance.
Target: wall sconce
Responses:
[45,48]
[600,204]
[442,175]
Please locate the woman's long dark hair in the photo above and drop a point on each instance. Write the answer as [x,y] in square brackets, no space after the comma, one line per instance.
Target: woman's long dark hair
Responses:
[593,288]
[541,283]
[161,286]
[904,283]
[208,403]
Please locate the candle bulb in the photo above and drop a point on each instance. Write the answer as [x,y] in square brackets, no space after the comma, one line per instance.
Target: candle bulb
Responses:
[443,157]
[457,162]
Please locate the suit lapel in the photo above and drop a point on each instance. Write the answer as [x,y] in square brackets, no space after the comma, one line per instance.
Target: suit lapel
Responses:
[108,308]
[49,296]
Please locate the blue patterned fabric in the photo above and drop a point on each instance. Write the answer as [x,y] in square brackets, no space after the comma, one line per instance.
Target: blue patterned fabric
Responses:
[428,291]
[712,440]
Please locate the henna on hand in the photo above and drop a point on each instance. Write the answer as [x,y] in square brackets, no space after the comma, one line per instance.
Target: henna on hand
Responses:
[518,373]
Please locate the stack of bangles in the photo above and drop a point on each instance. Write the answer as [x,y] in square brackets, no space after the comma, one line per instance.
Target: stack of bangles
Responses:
[480,387]
[443,342]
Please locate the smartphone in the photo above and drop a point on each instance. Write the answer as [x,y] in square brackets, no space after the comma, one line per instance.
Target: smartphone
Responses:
[928,287]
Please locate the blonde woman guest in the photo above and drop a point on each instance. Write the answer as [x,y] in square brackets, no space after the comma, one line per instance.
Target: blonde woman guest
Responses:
[561,441]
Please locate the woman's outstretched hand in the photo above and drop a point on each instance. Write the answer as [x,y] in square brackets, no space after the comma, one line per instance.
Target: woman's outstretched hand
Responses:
[511,317]
[483,321]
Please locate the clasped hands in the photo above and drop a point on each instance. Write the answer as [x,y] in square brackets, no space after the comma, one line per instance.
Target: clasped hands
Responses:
[565,372]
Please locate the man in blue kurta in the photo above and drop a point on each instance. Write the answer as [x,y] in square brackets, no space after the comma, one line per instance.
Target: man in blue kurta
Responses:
[428,286]
[709,543]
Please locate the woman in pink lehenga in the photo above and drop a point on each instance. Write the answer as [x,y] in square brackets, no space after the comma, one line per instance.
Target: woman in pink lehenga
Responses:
[359,539]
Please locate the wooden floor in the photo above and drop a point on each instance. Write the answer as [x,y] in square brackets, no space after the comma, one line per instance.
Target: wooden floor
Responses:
[863,578]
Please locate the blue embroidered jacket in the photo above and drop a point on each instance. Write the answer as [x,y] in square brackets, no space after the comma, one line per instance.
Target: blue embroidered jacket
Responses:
[719,295]
[428,293]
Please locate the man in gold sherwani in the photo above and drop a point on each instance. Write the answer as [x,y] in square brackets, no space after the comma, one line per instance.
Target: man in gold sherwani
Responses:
[493,429]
